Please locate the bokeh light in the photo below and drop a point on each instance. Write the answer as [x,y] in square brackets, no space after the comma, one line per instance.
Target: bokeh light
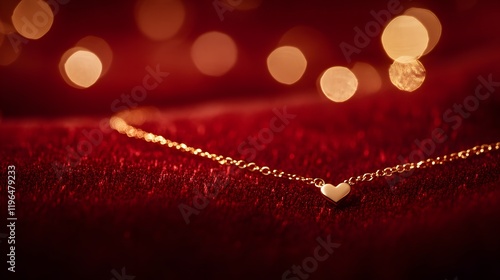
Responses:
[214,53]
[62,63]
[80,68]
[32,18]
[286,64]
[338,83]
[160,19]
[405,37]
[100,48]
[408,75]
[369,80]
[431,23]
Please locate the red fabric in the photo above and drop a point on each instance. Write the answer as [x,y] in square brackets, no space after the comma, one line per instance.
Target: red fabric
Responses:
[119,205]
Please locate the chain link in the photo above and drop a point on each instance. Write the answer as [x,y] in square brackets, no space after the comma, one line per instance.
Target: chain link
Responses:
[119,123]
[401,168]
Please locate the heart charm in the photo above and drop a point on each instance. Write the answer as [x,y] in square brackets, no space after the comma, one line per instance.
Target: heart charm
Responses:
[335,194]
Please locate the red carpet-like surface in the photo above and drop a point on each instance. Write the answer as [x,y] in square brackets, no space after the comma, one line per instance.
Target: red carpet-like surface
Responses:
[119,205]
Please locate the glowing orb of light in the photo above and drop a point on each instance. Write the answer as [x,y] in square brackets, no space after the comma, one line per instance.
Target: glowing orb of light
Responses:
[286,64]
[160,19]
[431,23]
[82,67]
[32,18]
[405,37]
[408,75]
[214,53]
[100,48]
[338,83]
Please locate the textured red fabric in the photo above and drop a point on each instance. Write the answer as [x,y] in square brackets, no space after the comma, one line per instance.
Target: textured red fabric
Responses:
[118,206]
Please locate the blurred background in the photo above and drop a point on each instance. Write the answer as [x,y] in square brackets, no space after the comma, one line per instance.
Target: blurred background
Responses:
[70,57]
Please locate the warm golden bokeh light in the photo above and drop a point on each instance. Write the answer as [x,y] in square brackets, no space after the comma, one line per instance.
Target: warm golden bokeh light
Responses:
[160,19]
[338,83]
[214,53]
[32,18]
[431,23]
[99,47]
[405,37]
[407,76]
[80,68]
[369,80]
[62,63]
[286,64]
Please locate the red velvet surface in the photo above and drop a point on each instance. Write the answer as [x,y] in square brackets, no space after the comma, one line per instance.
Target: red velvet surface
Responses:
[119,205]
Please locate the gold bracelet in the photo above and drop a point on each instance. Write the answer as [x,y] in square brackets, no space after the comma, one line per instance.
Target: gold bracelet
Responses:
[121,122]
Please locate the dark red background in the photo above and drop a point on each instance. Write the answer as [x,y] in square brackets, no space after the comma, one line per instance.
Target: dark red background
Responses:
[118,206]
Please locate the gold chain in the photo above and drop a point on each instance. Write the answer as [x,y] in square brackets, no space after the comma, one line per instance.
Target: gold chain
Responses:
[401,168]
[119,123]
